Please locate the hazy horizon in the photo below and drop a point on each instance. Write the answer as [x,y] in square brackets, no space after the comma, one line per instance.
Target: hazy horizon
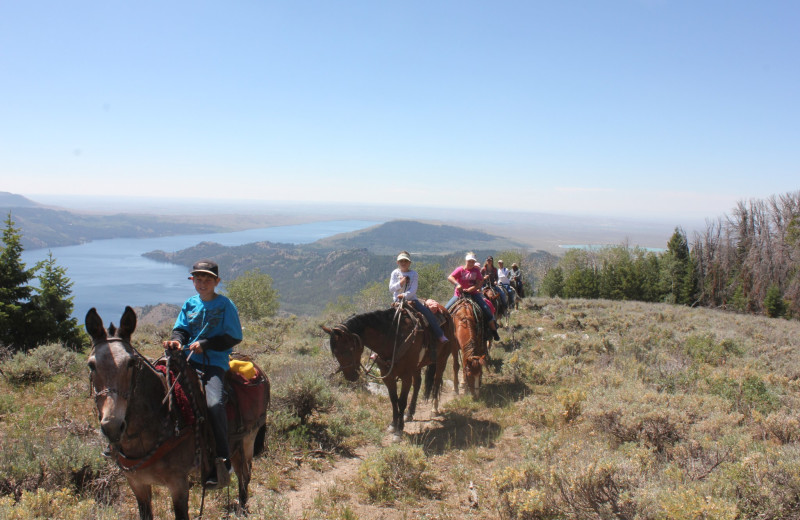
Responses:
[540,229]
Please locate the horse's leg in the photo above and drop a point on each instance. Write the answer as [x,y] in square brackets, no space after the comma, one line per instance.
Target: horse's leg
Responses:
[401,406]
[391,386]
[178,485]
[455,352]
[144,496]
[441,364]
[242,460]
[416,381]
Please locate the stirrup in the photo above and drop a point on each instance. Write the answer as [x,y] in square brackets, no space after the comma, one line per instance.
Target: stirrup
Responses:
[221,476]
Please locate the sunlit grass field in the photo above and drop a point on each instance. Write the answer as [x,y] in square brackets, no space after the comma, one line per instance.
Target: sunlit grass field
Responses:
[589,410]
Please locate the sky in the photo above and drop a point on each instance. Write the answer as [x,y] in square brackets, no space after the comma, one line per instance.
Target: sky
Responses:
[640,108]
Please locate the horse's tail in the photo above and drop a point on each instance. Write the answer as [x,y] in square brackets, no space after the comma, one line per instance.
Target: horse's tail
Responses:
[431,389]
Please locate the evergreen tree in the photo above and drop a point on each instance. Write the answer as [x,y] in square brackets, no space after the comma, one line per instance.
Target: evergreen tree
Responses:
[580,274]
[675,263]
[15,291]
[774,303]
[553,282]
[52,308]
[690,290]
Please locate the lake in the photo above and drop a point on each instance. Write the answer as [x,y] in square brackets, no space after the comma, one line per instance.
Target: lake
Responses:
[110,274]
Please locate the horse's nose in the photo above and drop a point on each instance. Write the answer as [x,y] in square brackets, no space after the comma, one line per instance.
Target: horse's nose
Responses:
[113,430]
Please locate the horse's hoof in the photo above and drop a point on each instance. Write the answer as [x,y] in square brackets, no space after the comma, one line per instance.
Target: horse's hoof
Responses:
[390,428]
[397,437]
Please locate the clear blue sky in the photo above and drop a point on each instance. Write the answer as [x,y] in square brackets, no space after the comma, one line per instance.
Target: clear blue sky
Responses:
[634,107]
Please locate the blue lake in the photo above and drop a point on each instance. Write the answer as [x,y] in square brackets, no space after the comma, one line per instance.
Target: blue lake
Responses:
[110,274]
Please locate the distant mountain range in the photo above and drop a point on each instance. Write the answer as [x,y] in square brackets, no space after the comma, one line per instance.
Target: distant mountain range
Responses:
[43,226]
[47,227]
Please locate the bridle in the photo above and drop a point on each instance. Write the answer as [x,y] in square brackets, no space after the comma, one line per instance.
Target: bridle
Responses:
[358,342]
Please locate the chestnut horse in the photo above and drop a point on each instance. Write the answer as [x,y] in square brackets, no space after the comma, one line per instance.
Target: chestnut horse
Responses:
[398,338]
[151,445]
[470,331]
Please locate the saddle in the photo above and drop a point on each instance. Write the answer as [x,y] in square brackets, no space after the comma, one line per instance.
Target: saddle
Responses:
[248,391]
[480,320]
[419,318]
[245,408]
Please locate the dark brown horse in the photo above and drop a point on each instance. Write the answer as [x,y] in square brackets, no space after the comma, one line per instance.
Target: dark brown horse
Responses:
[399,340]
[151,445]
[492,293]
[470,333]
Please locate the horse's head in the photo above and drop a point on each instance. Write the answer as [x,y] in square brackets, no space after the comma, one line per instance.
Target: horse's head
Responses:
[347,348]
[112,364]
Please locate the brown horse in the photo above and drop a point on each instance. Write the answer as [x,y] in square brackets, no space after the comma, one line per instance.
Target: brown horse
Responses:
[151,445]
[398,339]
[470,333]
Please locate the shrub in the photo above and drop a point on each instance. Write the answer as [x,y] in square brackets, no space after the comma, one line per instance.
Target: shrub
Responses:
[703,349]
[689,503]
[306,394]
[767,484]
[400,470]
[747,394]
[782,426]
[568,480]
[42,503]
[23,369]
[41,364]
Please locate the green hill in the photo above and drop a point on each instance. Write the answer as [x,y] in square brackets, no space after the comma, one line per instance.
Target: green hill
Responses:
[419,238]
[310,276]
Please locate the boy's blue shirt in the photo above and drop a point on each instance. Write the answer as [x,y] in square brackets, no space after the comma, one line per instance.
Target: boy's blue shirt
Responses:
[203,320]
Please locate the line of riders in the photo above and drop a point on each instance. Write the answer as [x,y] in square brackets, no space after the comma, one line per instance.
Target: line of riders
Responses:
[205,331]
[470,281]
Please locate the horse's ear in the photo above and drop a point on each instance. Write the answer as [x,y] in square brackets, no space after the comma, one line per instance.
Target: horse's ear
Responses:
[94,326]
[127,324]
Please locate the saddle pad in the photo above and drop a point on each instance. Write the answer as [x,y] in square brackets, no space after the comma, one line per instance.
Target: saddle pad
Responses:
[181,399]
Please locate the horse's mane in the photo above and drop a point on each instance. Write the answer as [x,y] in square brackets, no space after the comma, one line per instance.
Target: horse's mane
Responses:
[380,319]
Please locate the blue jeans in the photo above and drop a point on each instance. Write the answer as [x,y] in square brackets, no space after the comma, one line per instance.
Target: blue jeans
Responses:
[477,298]
[499,290]
[507,287]
[421,307]
[213,379]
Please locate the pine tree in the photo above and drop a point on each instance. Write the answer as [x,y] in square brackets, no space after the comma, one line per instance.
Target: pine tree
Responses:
[52,307]
[675,263]
[15,291]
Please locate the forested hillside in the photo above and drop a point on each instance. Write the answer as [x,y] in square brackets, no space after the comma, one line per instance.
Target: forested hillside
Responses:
[748,261]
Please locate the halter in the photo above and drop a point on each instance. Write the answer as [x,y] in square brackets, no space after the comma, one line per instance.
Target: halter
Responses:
[343,329]
[162,446]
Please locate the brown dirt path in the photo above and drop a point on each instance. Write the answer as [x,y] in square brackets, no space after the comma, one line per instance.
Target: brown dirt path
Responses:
[342,473]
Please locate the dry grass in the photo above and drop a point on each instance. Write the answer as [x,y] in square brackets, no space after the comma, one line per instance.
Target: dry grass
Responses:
[589,410]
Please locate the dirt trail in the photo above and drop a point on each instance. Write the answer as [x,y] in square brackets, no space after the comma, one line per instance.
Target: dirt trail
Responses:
[313,484]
